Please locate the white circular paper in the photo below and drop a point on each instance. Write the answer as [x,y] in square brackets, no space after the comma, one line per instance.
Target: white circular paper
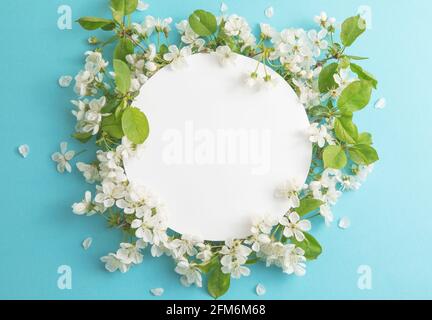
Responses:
[213,186]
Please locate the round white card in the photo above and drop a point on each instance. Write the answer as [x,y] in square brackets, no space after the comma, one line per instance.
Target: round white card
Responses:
[218,149]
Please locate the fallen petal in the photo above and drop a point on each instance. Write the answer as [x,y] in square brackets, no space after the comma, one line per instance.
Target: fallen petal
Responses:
[380,103]
[24,150]
[87,243]
[260,289]
[223,7]
[65,81]
[269,12]
[142,6]
[157,292]
[344,223]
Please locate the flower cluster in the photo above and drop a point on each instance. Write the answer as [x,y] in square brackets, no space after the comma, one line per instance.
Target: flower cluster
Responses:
[329,84]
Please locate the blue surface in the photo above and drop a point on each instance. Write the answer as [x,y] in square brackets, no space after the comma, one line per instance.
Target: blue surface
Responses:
[391,216]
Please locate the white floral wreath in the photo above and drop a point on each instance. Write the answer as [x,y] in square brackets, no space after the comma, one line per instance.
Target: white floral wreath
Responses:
[312,62]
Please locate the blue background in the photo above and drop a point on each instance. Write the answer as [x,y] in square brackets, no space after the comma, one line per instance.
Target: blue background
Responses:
[391,215]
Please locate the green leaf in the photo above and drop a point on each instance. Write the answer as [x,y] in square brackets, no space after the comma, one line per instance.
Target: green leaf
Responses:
[112,126]
[345,129]
[326,81]
[364,75]
[110,106]
[218,282]
[357,58]
[93,23]
[82,136]
[207,267]
[124,7]
[308,205]
[122,76]
[363,154]
[109,27]
[203,23]
[344,63]
[334,157]
[163,49]
[352,28]
[135,125]
[355,96]
[310,245]
[318,111]
[364,138]
[123,48]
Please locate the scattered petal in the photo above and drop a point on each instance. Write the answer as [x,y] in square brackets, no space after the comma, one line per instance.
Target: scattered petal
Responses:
[223,7]
[65,81]
[260,289]
[24,150]
[63,157]
[157,292]
[87,243]
[142,6]
[269,12]
[380,103]
[344,223]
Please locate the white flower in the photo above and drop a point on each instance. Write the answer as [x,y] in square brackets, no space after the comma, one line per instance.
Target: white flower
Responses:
[24,150]
[63,157]
[261,230]
[94,62]
[362,171]
[269,12]
[225,55]
[163,25]
[146,28]
[90,171]
[234,256]
[342,78]
[205,253]
[142,6]
[114,262]
[294,261]
[191,274]
[236,26]
[318,41]
[350,183]
[288,257]
[185,245]
[85,206]
[294,227]
[82,82]
[177,57]
[318,134]
[325,22]
[325,189]
[130,253]
[267,31]
[290,191]
[65,81]
[108,193]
